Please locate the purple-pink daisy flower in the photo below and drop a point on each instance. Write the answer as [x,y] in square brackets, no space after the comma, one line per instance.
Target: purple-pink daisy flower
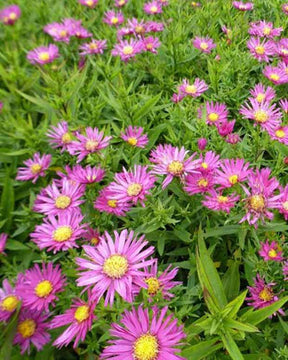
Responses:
[231,172]
[219,202]
[106,202]
[127,49]
[264,29]
[85,175]
[58,31]
[3,240]
[120,3]
[285,8]
[35,167]
[199,183]
[194,90]
[93,47]
[134,136]
[216,113]
[153,7]
[43,54]
[271,251]
[240,5]
[262,93]
[205,44]
[113,18]
[151,44]
[209,162]
[10,14]
[9,301]
[89,3]
[279,133]
[92,235]
[283,208]
[59,136]
[275,74]
[262,50]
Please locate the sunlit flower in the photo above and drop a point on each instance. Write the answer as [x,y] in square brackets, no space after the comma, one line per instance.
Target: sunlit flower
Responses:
[285,8]
[59,136]
[120,3]
[283,208]
[43,54]
[279,133]
[10,14]
[264,29]
[9,300]
[218,202]
[271,251]
[216,113]
[92,235]
[262,93]
[240,5]
[261,50]
[127,49]
[89,3]
[93,47]
[153,7]
[35,167]
[199,183]
[275,74]
[85,175]
[58,31]
[137,27]
[205,44]
[151,44]
[134,136]
[113,18]
[209,162]
[106,202]
[231,172]
[194,90]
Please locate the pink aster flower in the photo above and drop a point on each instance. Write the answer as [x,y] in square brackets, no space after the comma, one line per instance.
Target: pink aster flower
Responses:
[262,50]
[285,8]
[141,335]
[132,186]
[59,136]
[283,209]
[80,318]
[205,44]
[225,128]
[218,202]
[153,7]
[282,49]
[194,90]
[136,27]
[31,329]
[10,14]
[92,235]
[89,3]
[271,251]
[113,18]
[38,287]
[202,143]
[216,113]
[114,266]
[127,49]
[87,175]
[231,172]
[54,200]
[3,239]
[233,138]
[275,74]
[170,161]
[154,26]
[89,144]
[199,183]
[93,47]
[262,93]
[262,294]
[35,167]
[284,105]
[59,233]
[58,31]
[151,44]
[208,163]
[266,115]
[279,133]
[107,203]
[134,136]
[9,301]
[264,29]
[240,5]
[120,3]
[43,54]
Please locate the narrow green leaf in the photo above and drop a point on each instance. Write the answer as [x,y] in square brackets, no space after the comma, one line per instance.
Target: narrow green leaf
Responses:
[146,108]
[284,324]
[231,281]
[201,350]
[231,347]
[7,201]
[15,245]
[237,325]
[233,307]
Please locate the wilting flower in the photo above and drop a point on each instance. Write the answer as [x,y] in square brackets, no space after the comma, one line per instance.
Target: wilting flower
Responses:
[279,133]
[233,138]
[87,175]
[271,251]
[275,74]
[199,183]
[262,93]
[38,287]
[59,136]
[92,235]
[127,49]
[3,239]
[43,54]
[151,44]
[218,202]
[59,233]
[93,47]
[143,336]
[31,329]
[10,14]
[170,161]
[215,113]
[153,7]
[194,90]
[89,3]
[54,200]
[264,29]
[225,128]
[9,301]
[202,144]
[35,167]
[204,44]
[261,49]
[114,266]
[283,208]
[80,318]
[262,294]
[113,18]
[134,136]
[231,172]
[242,6]
[106,202]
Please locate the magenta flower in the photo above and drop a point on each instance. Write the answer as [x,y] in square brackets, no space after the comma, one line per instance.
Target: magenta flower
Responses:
[59,233]
[142,336]
[43,54]
[194,90]
[261,50]
[89,3]
[284,105]
[38,287]
[92,235]
[202,143]
[208,163]
[132,186]
[199,183]
[137,27]
[279,133]
[282,49]
[151,44]
[170,161]
[243,6]
[215,113]
[264,29]
[106,202]
[80,318]
[285,8]
[154,26]
[127,49]
[218,202]
[87,175]
[59,136]
[225,128]
[120,3]
[262,294]
[233,138]
[3,240]
[10,14]
[231,172]
[9,301]
[114,266]
[271,251]
[93,47]
[55,201]
[275,74]
[134,136]
[205,44]
[89,144]
[283,209]
[153,7]
[262,93]
[31,329]
[58,31]
[35,167]
[266,115]
[113,18]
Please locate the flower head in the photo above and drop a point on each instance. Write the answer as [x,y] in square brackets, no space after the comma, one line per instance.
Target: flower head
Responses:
[120,3]
[264,29]
[263,94]
[127,49]
[113,18]
[218,202]
[231,172]
[153,7]
[151,44]
[285,8]
[275,74]
[240,5]
[205,44]
[279,133]
[87,175]
[10,14]
[92,235]
[9,300]
[194,90]
[134,136]
[283,208]
[284,105]
[93,47]
[199,183]
[59,31]
[35,167]
[89,3]
[209,162]
[271,251]
[216,113]
[59,136]
[106,202]
[202,143]
[43,54]
[262,50]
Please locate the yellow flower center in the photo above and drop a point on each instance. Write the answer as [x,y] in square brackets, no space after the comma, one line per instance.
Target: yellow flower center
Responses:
[260,50]
[132,141]
[274,77]
[89,2]
[284,51]
[91,145]
[112,203]
[204,165]
[175,168]
[267,30]
[82,313]
[153,285]
[146,347]
[203,182]
[93,46]
[63,33]
[260,97]
[213,117]
[149,46]
[27,328]
[280,133]
[127,50]
[12,16]
[272,253]
[44,288]
[257,202]
[139,29]
[114,20]
[35,168]
[66,138]
[203,45]
[62,233]
[62,202]
[134,189]
[233,179]
[94,241]
[9,303]
[191,89]
[285,205]
[115,266]
[222,199]
[153,9]
[266,294]
[44,56]
[261,116]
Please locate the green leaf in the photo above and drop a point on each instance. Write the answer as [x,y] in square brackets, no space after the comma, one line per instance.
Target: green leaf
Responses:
[284,324]
[233,307]
[231,281]
[231,347]
[145,109]
[15,245]
[7,201]
[201,350]
[237,325]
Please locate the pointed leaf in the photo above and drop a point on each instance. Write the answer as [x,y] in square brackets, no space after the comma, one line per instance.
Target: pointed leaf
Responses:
[201,350]
[231,347]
